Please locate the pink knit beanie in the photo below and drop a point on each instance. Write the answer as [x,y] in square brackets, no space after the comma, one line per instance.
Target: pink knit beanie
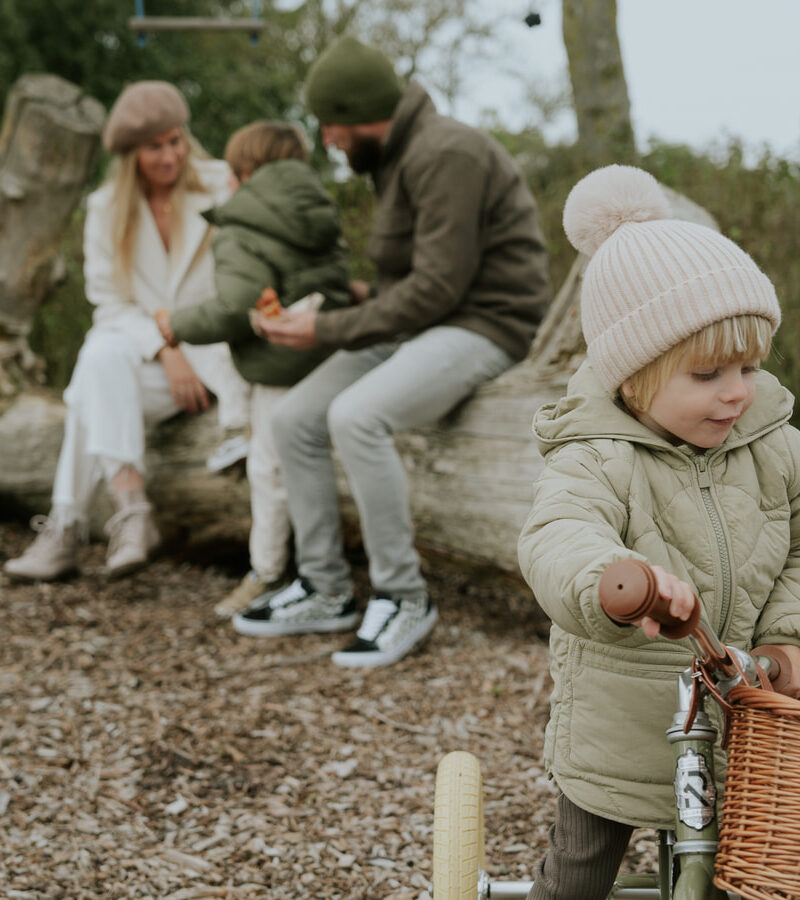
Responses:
[143,110]
[652,280]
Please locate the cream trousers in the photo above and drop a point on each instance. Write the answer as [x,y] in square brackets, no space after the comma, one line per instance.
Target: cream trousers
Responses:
[111,397]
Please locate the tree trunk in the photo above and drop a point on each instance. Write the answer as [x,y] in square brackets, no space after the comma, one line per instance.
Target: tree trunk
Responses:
[599,91]
[49,142]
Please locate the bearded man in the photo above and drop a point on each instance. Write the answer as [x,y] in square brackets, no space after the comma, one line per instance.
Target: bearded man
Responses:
[461,286]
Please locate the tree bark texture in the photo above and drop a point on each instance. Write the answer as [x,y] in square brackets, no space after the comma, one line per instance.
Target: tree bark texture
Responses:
[49,142]
[600,93]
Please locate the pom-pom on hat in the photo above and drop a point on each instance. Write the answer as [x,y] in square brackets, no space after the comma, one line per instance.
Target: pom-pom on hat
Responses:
[653,280]
[352,84]
[143,110]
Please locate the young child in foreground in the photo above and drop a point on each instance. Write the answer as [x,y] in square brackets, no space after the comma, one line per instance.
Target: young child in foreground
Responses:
[673,448]
[278,237]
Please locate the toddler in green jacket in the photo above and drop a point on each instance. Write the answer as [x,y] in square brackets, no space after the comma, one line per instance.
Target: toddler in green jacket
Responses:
[673,448]
[280,229]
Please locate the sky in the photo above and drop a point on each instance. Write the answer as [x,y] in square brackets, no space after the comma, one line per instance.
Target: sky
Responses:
[699,72]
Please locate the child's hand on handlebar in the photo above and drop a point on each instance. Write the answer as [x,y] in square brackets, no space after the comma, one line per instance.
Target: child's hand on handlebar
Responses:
[680,596]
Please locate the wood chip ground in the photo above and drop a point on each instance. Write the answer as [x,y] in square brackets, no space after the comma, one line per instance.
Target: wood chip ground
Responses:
[147,751]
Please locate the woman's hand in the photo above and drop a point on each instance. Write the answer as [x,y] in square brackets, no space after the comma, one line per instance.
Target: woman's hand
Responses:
[291,329]
[187,390]
[680,595]
[164,326]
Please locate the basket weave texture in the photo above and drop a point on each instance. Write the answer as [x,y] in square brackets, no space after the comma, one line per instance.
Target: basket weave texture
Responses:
[759,848]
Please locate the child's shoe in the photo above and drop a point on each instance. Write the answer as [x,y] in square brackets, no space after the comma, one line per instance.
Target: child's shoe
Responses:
[233,449]
[390,630]
[243,595]
[51,556]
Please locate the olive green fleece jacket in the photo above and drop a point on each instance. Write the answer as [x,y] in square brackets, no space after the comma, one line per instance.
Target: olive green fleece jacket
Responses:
[727,521]
[456,238]
[280,229]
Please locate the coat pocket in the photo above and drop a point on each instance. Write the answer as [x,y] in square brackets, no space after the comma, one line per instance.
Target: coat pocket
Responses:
[618,707]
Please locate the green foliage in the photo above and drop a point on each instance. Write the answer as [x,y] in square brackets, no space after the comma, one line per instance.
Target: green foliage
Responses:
[65,316]
[227,80]
[356,201]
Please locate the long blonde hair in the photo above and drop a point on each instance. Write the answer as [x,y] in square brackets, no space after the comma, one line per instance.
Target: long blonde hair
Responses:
[129,188]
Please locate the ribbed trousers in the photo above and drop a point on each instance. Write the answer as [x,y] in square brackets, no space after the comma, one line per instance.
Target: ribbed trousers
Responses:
[583,858]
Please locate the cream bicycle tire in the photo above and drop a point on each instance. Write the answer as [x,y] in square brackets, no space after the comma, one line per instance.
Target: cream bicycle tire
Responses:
[458,835]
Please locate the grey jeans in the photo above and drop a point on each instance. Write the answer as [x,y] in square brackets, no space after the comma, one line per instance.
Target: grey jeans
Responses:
[356,400]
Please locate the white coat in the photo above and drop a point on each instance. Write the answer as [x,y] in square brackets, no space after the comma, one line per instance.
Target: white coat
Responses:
[117,383]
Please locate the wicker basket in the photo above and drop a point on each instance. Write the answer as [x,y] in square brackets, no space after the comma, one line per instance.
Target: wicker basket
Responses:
[759,849]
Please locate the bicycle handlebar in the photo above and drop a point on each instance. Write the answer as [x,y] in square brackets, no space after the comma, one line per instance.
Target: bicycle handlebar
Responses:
[628,591]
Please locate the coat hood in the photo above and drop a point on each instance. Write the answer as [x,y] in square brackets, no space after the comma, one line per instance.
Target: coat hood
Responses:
[589,412]
[286,200]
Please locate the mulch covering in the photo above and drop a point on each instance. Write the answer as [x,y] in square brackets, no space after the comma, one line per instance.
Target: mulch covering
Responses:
[147,751]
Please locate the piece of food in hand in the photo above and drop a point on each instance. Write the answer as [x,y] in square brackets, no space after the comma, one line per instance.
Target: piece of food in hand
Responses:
[268,303]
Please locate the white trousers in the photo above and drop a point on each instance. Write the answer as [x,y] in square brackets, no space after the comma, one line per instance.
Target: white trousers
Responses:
[113,393]
[271,528]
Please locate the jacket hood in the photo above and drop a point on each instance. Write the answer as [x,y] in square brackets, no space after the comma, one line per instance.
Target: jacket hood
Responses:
[286,200]
[589,412]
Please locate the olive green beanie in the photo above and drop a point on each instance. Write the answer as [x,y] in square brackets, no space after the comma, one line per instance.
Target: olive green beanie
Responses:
[352,84]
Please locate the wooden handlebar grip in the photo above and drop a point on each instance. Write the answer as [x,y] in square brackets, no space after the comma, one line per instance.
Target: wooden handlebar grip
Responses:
[628,591]
[787,658]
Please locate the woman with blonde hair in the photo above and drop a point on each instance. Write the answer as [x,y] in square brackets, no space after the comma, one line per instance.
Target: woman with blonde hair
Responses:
[146,248]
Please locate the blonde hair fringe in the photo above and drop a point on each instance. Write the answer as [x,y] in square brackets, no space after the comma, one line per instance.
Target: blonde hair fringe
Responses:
[735,339]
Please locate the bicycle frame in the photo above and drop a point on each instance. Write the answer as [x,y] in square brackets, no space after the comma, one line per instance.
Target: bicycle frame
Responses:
[692,846]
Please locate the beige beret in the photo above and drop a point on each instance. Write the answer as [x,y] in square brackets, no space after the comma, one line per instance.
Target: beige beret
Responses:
[143,110]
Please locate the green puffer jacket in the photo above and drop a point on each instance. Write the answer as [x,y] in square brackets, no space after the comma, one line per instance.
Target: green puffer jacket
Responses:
[726,521]
[280,229]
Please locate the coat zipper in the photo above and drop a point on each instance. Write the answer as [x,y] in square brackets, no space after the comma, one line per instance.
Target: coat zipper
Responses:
[704,481]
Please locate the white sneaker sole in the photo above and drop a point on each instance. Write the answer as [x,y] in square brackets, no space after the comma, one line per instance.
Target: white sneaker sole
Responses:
[217,464]
[24,577]
[278,629]
[375,658]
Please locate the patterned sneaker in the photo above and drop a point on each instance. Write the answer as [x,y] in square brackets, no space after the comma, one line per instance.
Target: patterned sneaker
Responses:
[244,594]
[297,609]
[390,630]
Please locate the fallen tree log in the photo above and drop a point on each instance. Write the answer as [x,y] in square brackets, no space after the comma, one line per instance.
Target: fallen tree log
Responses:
[470,476]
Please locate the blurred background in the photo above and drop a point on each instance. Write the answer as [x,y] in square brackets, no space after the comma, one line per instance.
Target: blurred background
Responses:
[704,94]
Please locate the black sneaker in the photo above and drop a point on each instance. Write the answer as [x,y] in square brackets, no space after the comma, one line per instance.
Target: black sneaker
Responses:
[297,609]
[390,630]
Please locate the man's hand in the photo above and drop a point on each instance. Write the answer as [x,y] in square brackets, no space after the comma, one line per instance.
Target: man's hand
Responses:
[188,392]
[680,595]
[291,329]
